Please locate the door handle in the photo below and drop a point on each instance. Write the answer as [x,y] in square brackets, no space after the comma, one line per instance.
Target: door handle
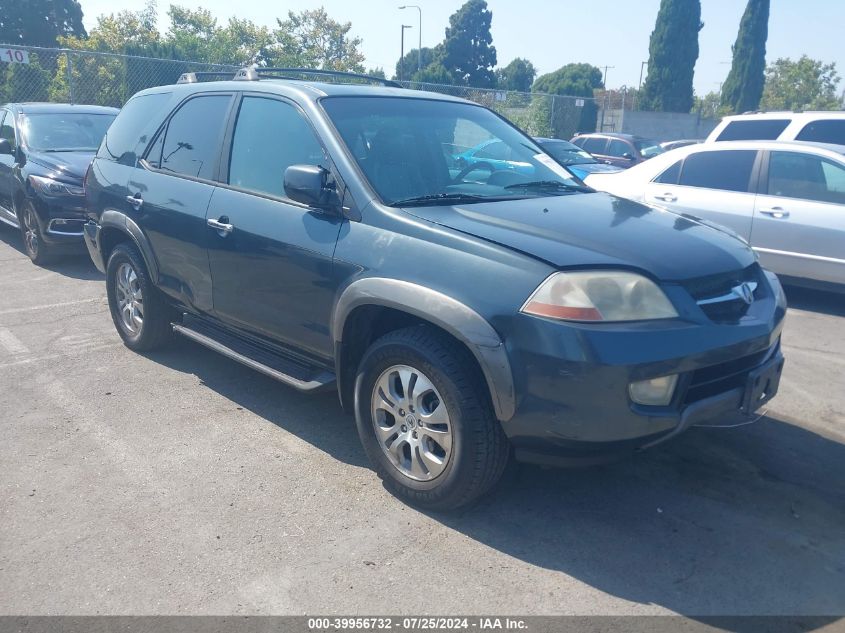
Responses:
[666,197]
[221,226]
[776,212]
[136,201]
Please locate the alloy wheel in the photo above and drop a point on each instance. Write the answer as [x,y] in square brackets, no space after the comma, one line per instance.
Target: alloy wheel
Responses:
[130,299]
[30,231]
[412,423]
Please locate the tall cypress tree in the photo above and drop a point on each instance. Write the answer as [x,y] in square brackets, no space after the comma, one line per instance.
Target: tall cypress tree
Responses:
[743,88]
[673,51]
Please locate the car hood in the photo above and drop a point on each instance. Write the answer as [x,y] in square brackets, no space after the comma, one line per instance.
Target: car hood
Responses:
[597,229]
[62,165]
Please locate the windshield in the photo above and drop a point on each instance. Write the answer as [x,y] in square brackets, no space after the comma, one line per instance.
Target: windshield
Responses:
[419,151]
[648,148]
[65,132]
[568,154]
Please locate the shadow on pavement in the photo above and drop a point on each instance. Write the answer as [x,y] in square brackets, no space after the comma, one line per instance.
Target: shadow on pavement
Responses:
[74,262]
[720,521]
[831,303]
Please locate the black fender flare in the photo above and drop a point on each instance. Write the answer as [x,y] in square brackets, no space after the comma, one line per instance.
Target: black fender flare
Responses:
[446,312]
[113,219]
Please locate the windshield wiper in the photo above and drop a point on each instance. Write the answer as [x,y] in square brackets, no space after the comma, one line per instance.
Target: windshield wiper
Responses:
[446,198]
[549,184]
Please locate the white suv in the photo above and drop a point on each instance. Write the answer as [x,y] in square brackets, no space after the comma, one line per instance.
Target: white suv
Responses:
[817,127]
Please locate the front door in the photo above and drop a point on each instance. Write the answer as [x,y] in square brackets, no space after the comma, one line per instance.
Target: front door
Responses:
[7,165]
[272,264]
[799,218]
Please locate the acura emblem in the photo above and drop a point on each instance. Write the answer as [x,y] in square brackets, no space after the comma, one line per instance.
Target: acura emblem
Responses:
[745,291]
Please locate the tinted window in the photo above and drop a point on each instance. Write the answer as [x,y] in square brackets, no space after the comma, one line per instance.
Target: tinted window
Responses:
[595,145]
[793,175]
[7,128]
[270,136]
[192,140]
[759,130]
[618,148]
[130,132]
[65,131]
[496,150]
[824,132]
[670,176]
[648,148]
[726,170]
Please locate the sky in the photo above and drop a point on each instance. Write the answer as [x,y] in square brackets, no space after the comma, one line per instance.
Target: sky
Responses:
[552,33]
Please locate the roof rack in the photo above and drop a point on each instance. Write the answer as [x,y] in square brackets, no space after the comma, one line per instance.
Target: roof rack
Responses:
[253,73]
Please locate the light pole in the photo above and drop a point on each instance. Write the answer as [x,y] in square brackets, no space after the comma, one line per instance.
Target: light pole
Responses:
[604,105]
[642,68]
[419,48]
[402,50]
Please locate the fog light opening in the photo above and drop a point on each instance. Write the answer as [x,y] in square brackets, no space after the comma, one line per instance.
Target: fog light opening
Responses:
[655,392]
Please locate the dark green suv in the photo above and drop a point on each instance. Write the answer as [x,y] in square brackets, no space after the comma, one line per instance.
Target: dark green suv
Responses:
[322,233]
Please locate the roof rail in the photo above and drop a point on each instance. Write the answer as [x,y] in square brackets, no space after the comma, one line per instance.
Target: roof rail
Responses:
[192,78]
[255,73]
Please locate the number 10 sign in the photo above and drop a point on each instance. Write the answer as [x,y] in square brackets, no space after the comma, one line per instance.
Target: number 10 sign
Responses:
[14,56]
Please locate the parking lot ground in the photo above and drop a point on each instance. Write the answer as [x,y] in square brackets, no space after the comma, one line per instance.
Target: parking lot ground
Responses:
[180,482]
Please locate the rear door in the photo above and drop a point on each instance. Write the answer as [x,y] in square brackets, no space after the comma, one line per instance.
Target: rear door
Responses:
[597,146]
[714,185]
[620,153]
[7,164]
[173,187]
[272,269]
[799,216]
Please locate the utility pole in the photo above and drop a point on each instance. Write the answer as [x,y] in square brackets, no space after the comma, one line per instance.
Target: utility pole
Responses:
[604,105]
[402,50]
[419,48]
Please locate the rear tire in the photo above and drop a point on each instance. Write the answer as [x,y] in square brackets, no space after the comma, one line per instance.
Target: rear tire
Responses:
[139,312]
[33,241]
[425,420]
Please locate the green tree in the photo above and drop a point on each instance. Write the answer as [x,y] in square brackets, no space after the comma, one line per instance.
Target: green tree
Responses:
[25,82]
[518,75]
[673,51]
[805,84]
[434,73]
[469,55]
[574,80]
[743,88]
[40,22]
[317,41]
[408,65]
[710,106]
[378,71]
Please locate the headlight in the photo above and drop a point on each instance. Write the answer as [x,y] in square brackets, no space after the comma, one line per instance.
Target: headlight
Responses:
[599,296]
[50,187]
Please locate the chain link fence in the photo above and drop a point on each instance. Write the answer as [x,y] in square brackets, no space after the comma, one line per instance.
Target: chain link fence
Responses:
[78,76]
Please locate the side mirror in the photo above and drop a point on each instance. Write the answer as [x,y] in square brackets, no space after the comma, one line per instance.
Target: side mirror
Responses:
[309,184]
[627,156]
[5,147]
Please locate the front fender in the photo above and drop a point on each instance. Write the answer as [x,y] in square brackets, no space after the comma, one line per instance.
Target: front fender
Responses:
[444,311]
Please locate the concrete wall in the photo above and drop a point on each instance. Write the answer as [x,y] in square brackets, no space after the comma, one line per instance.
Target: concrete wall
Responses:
[660,126]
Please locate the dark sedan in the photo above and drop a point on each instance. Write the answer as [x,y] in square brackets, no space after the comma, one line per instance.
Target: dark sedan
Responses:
[45,150]
[578,161]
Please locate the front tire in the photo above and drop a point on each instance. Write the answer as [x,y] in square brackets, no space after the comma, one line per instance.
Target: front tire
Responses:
[425,420]
[33,240]
[139,312]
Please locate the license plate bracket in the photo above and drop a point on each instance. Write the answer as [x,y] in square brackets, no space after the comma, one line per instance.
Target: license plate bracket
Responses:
[762,385]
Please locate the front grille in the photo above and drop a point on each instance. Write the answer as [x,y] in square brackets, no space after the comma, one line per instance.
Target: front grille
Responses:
[715,286]
[715,379]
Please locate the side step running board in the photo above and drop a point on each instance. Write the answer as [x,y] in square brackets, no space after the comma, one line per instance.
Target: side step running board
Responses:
[303,380]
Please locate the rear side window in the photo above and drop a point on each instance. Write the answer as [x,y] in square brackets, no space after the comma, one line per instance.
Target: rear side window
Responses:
[671,175]
[595,145]
[825,131]
[619,148]
[270,136]
[728,170]
[7,128]
[132,128]
[756,130]
[191,143]
[807,177]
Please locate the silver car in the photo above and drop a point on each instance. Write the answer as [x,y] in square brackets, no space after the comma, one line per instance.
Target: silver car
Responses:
[787,199]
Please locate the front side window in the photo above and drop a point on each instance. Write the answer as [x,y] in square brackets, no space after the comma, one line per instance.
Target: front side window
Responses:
[402,146]
[7,127]
[755,130]
[270,136]
[64,132]
[595,145]
[618,148]
[191,144]
[824,131]
[728,170]
[807,177]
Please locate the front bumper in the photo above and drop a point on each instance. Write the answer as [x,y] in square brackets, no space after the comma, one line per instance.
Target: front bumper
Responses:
[572,386]
[61,219]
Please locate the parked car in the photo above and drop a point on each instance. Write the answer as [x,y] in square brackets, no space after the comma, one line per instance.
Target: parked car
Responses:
[45,149]
[786,199]
[490,156]
[574,158]
[816,127]
[670,145]
[622,150]
[315,232]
